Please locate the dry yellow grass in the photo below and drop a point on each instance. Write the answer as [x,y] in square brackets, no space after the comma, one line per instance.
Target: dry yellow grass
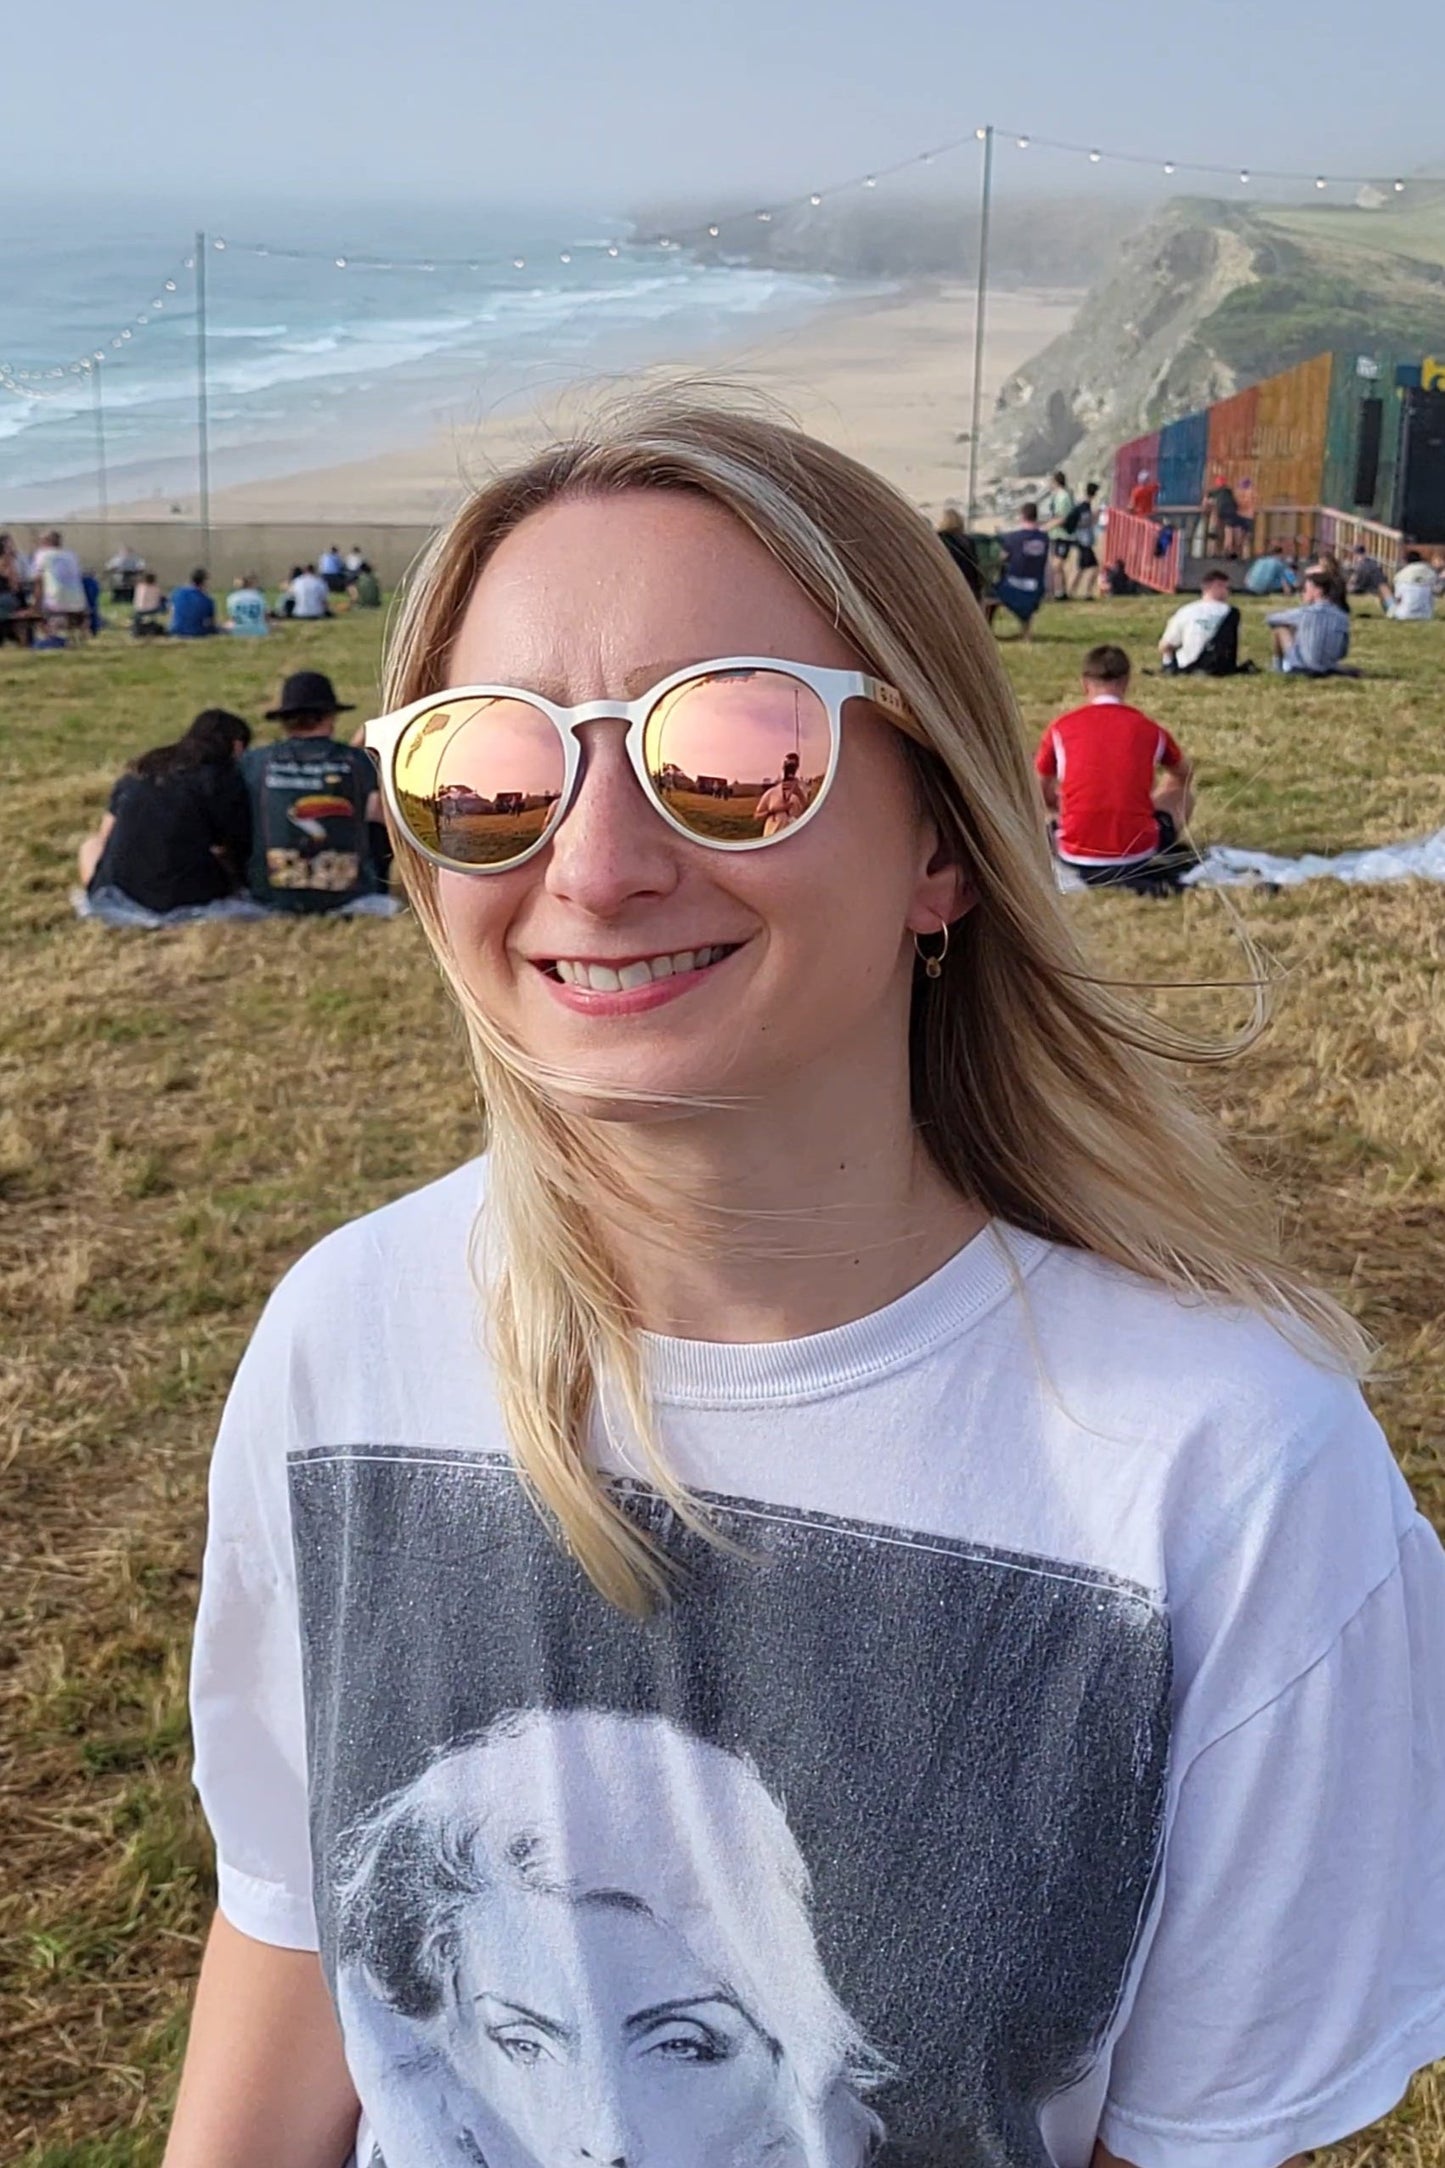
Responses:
[181,1114]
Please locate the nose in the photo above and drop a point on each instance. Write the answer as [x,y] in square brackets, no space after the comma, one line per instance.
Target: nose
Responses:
[612,848]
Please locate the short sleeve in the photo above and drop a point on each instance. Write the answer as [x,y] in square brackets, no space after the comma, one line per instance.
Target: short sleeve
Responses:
[246,1699]
[1171,754]
[1046,759]
[1295,1980]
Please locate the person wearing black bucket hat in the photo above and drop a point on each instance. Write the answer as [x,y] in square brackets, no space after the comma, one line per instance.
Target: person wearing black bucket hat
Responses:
[311,799]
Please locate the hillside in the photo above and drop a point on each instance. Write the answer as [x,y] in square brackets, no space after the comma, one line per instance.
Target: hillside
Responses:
[1208,296]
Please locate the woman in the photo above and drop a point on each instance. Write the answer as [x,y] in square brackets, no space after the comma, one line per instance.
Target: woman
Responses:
[178,829]
[882,1376]
[479,1944]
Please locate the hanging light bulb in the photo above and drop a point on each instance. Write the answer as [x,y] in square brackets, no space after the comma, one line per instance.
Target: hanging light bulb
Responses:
[519,263]
[871,181]
[170,286]
[99,354]
[614,251]
[1094,157]
[565,257]
[1321,182]
[980,133]
[1023,143]
[341,263]
[765,218]
[713,230]
[815,200]
[1399,187]
[218,243]
[1244,176]
[1168,165]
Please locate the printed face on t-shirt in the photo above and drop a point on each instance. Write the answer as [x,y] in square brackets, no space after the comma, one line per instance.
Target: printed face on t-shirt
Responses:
[593,2032]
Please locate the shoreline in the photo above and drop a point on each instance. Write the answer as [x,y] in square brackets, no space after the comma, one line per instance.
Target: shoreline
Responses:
[887,377]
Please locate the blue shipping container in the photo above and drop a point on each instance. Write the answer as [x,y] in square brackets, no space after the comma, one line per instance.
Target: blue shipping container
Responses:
[1183,448]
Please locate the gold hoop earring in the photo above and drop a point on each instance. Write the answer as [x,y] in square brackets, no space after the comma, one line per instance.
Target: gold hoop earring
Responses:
[932,965]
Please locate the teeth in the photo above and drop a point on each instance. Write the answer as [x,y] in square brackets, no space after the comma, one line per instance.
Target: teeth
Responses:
[607,979]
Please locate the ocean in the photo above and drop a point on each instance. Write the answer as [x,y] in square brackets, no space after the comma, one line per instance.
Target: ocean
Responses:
[325,355]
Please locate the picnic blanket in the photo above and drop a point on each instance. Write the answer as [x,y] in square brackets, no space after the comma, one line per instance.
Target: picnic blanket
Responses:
[113,907]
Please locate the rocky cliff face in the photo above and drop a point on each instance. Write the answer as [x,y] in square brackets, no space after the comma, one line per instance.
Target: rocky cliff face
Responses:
[1139,350]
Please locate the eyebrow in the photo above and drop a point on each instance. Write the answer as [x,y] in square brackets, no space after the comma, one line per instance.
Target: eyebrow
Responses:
[548,2025]
[638,680]
[683,2006]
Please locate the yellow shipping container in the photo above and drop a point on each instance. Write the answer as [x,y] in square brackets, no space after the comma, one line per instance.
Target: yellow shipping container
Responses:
[1290,434]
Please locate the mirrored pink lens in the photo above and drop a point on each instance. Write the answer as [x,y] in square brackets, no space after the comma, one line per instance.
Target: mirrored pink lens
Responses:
[478,781]
[739,756]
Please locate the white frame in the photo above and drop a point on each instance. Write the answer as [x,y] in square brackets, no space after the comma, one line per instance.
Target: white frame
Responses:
[383,734]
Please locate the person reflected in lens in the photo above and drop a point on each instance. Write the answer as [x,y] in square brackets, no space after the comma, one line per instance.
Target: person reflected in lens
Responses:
[784,801]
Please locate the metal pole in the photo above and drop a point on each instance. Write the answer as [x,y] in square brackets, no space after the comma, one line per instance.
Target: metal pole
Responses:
[98,404]
[203,446]
[985,208]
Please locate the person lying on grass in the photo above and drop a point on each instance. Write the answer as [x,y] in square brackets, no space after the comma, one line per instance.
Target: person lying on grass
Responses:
[1117,786]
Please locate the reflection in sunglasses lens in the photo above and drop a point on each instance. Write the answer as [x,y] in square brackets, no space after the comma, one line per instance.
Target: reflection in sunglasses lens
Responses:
[477,780]
[738,757]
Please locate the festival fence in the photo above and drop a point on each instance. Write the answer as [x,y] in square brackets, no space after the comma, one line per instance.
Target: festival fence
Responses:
[1134,542]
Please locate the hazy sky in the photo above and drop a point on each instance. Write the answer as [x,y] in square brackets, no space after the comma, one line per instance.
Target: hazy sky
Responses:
[200,110]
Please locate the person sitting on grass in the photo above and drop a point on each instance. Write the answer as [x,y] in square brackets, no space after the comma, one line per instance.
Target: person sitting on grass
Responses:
[246,612]
[1020,587]
[1201,639]
[1099,769]
[1270,575]
[365,588]
[311,800]
[178,829]
[193,610]
[148,607]
[1365,575]
[1414,590]
[1314,639]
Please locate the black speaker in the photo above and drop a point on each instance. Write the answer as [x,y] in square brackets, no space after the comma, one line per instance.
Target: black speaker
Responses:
[1367,455]
[1420,483]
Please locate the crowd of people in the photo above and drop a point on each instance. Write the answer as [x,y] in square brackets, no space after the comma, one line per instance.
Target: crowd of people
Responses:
[295,825]
[47,599]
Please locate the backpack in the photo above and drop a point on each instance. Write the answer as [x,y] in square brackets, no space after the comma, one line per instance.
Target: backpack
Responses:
[1070,522]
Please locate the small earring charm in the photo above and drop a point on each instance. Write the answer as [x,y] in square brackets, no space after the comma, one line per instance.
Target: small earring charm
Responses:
[932,965]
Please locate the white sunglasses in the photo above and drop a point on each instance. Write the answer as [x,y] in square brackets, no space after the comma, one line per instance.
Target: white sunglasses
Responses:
[734,754]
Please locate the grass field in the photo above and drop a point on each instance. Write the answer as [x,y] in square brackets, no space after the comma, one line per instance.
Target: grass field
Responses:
[182,1113]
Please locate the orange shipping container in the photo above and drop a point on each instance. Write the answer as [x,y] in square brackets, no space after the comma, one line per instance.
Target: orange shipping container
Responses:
[1292,421]
[1233,424]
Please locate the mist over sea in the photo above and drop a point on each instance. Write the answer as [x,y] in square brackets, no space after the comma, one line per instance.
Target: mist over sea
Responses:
[310,362]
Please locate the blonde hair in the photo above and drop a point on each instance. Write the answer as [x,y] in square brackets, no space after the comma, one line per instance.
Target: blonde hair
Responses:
[1041,1090]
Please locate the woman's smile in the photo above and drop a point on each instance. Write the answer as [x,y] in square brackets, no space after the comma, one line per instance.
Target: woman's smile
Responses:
[593,986]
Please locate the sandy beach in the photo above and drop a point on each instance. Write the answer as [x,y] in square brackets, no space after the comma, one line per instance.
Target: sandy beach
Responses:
[888,379]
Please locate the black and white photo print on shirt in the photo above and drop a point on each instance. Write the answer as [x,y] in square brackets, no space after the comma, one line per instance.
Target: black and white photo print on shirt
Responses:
[841,1858]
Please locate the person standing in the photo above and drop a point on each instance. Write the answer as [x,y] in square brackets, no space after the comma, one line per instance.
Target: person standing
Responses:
[59,585]
[193,608]
[1058,515]
[1144,495]
[1084,536]
[311,799]
[1019,588]
[833,1596]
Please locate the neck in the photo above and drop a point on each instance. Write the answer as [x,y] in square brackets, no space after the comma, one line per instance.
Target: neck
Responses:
[817,1208]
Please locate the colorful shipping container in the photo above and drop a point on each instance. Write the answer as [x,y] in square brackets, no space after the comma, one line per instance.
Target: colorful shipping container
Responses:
[1325,433]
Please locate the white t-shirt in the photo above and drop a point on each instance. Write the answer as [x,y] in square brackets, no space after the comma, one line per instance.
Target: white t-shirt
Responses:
[62,588]
[310,594]
[246,611]
[1054,1753]
[1192,627]
[1415,591]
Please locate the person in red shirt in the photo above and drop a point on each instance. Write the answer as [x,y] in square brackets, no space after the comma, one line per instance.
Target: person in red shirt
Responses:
[1099,770]
[1144,495]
